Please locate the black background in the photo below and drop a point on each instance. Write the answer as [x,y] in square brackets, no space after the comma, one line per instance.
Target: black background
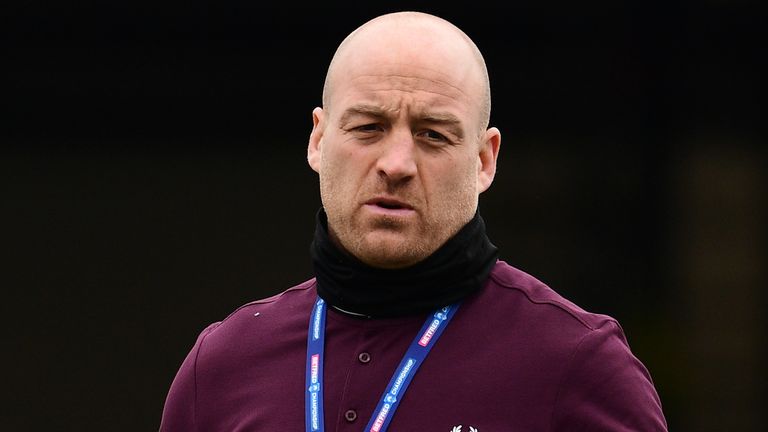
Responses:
[154,178]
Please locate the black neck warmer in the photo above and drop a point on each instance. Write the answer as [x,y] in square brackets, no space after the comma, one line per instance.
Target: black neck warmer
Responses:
[454,271]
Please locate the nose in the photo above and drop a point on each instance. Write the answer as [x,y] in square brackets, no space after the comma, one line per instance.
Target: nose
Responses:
[397,161]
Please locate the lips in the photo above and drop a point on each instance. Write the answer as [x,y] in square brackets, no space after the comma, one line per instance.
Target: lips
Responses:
[389,203]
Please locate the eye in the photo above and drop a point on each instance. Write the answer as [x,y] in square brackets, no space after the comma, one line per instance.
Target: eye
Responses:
[370,127]
[432,136]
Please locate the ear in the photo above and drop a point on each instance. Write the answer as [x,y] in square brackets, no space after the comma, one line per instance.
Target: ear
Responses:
[315,139]
[489,152]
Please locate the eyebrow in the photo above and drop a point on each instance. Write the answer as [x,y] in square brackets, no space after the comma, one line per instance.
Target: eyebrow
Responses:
[362,109]
[448,120]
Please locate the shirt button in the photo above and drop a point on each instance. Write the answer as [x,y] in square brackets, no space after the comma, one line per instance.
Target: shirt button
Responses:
[364,357]
[350,415]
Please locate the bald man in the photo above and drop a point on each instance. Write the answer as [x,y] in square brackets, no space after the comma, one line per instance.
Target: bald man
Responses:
[411,321]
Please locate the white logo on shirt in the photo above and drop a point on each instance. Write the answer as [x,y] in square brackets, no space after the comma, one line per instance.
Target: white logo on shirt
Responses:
[458,429]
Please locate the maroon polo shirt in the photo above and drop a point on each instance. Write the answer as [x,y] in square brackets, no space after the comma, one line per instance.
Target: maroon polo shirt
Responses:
[516,357]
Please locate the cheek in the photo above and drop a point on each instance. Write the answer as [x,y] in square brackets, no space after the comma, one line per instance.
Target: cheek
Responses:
[333,163]
[354,162]
[453,186]
[340,158]
[342,172]
[456,174]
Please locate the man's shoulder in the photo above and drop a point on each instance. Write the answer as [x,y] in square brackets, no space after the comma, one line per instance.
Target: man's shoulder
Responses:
[304,292]
[288,308]
[587,352]
[519,307]
[537,297]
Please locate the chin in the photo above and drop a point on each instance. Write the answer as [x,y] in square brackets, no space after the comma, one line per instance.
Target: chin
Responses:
[389,253]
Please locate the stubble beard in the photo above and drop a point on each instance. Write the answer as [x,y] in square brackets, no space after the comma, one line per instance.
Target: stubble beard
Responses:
[389,242]
[384,242]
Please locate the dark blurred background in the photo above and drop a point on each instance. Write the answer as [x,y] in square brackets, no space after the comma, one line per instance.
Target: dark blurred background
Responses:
[153,179]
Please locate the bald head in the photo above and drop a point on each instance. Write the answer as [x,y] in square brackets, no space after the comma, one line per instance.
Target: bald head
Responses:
[418,39]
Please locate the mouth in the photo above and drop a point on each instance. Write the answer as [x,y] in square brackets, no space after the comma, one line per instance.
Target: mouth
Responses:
[388,206]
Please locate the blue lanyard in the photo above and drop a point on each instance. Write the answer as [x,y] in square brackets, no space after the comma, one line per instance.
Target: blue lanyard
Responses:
[426,338]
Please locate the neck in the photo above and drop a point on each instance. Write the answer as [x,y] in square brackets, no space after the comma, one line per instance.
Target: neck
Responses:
[456,270]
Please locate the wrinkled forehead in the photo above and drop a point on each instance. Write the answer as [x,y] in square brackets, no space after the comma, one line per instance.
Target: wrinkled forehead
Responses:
[420,55]
[404,93]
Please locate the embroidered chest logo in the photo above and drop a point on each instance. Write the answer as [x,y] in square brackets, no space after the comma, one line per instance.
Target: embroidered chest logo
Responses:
[458,429]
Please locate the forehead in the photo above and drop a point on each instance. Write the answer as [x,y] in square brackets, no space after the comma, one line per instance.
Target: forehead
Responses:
[393,90]
[408,65]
